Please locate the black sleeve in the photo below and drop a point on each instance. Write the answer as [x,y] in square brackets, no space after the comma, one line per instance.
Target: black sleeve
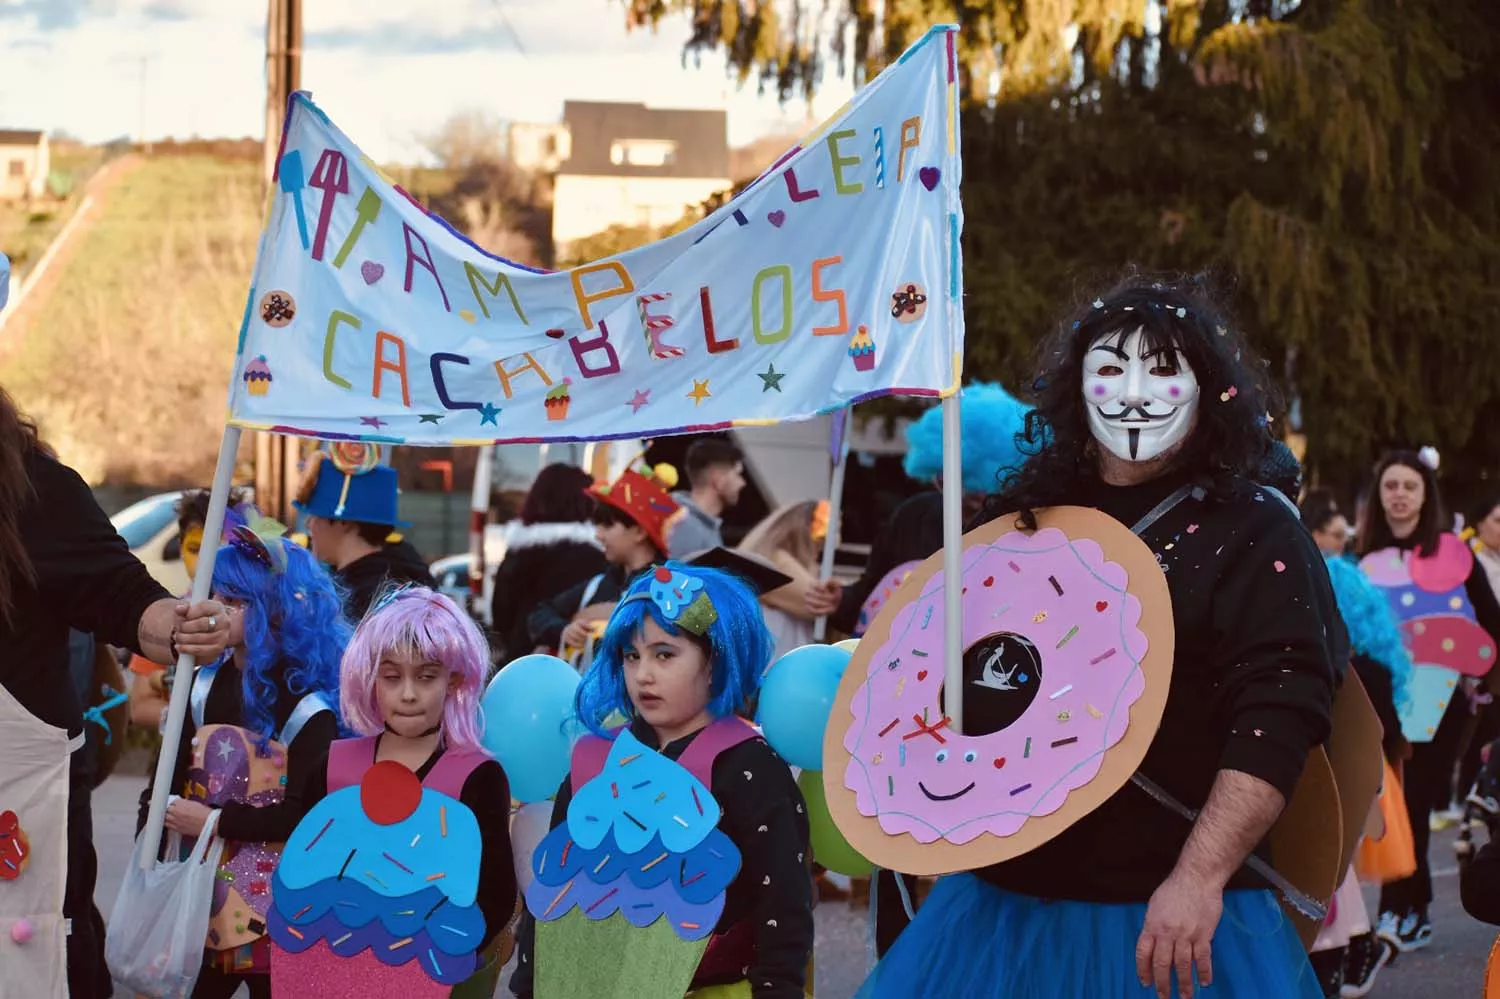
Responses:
[770,828]
[1269,615]
[521,980]
[881,561]
[1377,683]
[1479,885]
[506,604]
[487,795]
[550,617]
[1482,598]
[82,565]
[308,753]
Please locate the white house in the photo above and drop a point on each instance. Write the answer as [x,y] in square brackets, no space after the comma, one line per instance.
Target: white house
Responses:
[25,163]
[630,165]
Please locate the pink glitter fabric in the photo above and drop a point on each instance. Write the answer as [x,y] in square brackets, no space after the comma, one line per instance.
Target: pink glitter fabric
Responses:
[318,972]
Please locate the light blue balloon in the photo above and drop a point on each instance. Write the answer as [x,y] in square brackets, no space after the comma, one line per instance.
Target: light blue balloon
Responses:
[796,699]
[529,724]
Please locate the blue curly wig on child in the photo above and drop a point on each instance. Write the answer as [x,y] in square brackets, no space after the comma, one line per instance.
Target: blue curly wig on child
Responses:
[737,644]
[992,419]
[1372,627]
[295,631]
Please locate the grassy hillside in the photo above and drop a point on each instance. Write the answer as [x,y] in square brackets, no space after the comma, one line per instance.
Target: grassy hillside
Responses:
[126,362]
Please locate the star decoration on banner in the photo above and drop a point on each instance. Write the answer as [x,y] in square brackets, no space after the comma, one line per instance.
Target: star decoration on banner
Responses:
[372,421]
[488,413]
[433,417]
[772,379]
[638,401]
[700,391]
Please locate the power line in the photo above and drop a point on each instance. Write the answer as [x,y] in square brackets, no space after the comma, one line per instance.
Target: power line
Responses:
[515,36]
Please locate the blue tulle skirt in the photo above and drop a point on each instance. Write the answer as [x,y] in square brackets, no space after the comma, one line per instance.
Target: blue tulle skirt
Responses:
[971,939]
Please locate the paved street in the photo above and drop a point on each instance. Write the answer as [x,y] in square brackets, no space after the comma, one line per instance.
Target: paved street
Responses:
[1452,966]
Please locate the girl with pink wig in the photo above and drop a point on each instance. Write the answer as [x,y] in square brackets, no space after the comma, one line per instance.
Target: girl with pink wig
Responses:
[410,686]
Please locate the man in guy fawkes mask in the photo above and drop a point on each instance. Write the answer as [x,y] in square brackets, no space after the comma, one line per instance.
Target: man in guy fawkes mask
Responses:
[1151,409]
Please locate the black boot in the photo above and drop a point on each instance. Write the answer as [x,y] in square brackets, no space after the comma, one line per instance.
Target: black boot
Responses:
[1329,966]
[1367,954]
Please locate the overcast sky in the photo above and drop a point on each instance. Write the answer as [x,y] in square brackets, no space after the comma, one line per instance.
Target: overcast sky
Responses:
[385,78]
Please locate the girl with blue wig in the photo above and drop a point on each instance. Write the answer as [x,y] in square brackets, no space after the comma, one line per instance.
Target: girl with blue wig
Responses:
[261,718]
[682,656]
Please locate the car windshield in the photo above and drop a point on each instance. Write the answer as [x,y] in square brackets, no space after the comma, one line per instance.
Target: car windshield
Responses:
[140,522]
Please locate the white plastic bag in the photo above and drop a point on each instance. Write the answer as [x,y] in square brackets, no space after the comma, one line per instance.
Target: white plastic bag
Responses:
[154,942]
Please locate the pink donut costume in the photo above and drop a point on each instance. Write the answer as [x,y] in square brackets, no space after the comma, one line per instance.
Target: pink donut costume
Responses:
[1067,637]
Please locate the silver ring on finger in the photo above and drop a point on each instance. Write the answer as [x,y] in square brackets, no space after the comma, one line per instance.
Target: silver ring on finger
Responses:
[213,622]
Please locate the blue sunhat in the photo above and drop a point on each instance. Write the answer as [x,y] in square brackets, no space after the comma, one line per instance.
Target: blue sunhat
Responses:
[354,488]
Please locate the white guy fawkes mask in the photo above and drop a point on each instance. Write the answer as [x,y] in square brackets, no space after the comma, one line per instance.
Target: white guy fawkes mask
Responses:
[1138,406]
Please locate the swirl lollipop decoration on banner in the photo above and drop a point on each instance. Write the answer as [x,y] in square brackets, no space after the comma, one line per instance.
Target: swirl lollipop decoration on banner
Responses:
[1068,656]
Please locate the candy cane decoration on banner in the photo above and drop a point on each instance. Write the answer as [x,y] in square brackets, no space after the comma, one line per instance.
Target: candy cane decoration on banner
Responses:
[879,157]
[655,325]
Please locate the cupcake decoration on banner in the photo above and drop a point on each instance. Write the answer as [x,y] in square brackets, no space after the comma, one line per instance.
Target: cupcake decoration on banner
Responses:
[258,376]
[1428,596]
[862,350]
[377,891]
[639,863]
[558,400]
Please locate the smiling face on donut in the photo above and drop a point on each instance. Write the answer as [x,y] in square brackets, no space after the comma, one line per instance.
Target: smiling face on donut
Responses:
[1051,668]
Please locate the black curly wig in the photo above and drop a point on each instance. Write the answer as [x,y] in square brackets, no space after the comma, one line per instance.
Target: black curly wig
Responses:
[1230,437]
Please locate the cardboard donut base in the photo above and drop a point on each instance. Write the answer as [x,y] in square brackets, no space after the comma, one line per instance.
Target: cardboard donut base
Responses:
[904,853]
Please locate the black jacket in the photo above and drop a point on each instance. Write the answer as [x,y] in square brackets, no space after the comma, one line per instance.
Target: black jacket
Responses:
[363,578]
[541,561]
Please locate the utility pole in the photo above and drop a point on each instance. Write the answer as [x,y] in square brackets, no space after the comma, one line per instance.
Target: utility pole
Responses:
[276,457]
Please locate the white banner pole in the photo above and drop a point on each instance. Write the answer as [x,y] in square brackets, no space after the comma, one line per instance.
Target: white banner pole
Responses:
[182,685]
[835,511]
[953,530]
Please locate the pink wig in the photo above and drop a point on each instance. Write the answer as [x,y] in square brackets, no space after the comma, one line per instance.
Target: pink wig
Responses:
[433,628]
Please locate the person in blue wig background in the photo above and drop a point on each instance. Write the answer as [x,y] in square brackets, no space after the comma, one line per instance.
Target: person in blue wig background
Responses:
[682,656]
[992,419]
[261,719]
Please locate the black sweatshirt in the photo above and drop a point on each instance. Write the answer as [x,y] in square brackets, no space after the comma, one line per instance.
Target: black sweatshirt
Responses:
[1257,639]
[765,817]
[914,531]
[550,617]
[541,561]
[86,579]
[486,793]
[243,822]
[363,578]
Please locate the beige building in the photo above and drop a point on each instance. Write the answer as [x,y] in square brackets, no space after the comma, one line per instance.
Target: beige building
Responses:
[626,165]
[25,163]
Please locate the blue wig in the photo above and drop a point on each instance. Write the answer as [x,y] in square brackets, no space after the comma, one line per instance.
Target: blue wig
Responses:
[295,631]
[737,644]
[1373,630]
[992,419]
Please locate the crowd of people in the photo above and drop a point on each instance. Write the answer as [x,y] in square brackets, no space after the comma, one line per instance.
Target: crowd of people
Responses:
[323,667]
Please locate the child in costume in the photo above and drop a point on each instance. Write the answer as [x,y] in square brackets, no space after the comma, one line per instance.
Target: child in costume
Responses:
[632,518]
[260,719]
[398,880]
[677,862]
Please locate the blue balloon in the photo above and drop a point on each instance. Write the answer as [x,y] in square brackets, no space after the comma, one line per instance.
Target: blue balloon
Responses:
[796,699]
[529,724]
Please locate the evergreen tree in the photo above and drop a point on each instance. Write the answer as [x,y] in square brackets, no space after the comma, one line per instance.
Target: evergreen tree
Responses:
[1335,160]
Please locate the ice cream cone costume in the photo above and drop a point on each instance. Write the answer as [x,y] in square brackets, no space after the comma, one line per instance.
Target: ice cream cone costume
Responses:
[227,766]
